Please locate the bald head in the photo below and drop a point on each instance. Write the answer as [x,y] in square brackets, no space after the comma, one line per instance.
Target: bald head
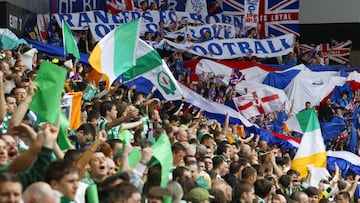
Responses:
[39,192]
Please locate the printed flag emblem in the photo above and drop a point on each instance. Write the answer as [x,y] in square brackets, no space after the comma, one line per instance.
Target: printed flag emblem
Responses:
[165,83]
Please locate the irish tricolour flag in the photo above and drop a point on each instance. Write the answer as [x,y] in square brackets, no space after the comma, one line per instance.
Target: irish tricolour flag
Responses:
[122,52]
[312,149]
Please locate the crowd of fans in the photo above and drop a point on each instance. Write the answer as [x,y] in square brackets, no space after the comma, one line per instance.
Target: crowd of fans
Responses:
[212,162]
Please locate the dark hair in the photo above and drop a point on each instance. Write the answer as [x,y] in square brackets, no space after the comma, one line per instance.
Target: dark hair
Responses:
[234,167]
[106,106]
[8,177]
[284,180]
[217,161]
[87,128]
[120,193]
[93,114]
[262,187]
[248,172]
[72,155]
[179,172]
[58,169]
[221,149]
[241,187]
[177,147]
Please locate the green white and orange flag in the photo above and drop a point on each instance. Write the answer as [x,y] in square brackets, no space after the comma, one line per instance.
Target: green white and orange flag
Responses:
[115,53]
[122,52]
[69,42]
[312,149]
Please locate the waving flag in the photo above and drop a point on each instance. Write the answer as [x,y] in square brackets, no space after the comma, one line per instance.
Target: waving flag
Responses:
[150,66]
[276,17]
[312,148]
[347,161]
[196,6]
[251,13]
[70,46]
[337,52]
[259,99]
[115,53]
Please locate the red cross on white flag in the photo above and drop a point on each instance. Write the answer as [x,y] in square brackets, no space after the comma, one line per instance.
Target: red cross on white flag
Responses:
[258,102]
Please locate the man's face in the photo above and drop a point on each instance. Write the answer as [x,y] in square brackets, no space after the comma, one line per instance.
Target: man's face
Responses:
[249,196]
[12,147]
[68,185]
[113,112]
[178,157]
[98,167]
[10,192]
[342,199]
[20,95]
[11,104]
[3,153]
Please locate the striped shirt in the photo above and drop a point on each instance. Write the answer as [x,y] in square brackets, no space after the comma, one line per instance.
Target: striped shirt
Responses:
[113,133]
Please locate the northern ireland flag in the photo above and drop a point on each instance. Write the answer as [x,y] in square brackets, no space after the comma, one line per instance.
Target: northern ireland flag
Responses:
[259,101]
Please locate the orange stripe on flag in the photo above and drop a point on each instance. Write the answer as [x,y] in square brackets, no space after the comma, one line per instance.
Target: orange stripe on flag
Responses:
[75,114]
[301,164]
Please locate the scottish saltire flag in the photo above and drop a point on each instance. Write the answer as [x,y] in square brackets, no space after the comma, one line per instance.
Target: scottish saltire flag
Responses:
[276,17]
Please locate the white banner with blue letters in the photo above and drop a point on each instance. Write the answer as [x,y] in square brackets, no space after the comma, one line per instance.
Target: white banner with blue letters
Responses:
[81,20]
[238,47]
[216,30]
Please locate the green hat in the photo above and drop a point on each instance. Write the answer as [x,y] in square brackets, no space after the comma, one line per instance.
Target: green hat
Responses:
[200,194]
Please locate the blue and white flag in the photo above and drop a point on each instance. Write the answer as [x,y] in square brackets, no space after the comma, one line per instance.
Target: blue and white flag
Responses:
[196,6]
[347,161]
[252,13]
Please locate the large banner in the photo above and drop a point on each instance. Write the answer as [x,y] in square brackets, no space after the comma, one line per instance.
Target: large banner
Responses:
[216,30]
[81,20]
[275,17]
[238,47]
[72,6]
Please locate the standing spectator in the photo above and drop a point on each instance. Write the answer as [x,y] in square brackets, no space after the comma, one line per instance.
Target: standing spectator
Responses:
[10,188]
[56,40]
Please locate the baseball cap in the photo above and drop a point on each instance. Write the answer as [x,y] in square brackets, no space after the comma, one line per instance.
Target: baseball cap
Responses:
[199,194]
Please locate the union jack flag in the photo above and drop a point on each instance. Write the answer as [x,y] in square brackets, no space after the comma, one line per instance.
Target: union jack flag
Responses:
[276,17]
[236,77]
[337,52]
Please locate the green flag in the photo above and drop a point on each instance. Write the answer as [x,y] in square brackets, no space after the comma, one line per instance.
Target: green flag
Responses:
[162,152]
[92,194]
[47,99]
[70,46]
[63,140]
[134,157]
